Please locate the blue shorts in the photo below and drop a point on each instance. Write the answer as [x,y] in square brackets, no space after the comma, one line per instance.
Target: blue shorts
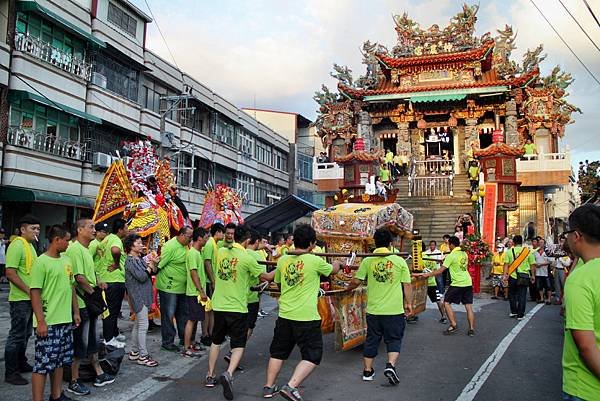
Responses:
[388,327]
[55,350]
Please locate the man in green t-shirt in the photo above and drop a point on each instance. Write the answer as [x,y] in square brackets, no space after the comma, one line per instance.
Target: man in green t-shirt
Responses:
[252,247]
[389,294]
[171,281]
[530,148]
[581,349]
[299,322]
[517,294]
[195,289]
[384,174]
[55,309]
[111,271]
[235,269]
[209,253]
[20,256]
[101,233]
[84,336]
[461,285]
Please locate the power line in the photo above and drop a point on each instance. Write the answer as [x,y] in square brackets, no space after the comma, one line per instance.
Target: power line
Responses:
[566,44]
[161,34]
[591,12]
[579,25]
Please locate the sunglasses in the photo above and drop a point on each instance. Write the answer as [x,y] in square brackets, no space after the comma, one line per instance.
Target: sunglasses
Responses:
[565,233]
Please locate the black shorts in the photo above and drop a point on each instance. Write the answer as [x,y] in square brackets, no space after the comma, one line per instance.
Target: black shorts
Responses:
[232,324]
[84,335]
[389,327]
[195,309]
[289,333]
[433,294]
[542,283]
[459,295]
[252,314]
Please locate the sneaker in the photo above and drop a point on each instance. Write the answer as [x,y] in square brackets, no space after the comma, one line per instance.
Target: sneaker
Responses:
[494,297]
[368,376]
[210,381]
[471,333]
[520,318]
[443,320]
[512,315]
[290,393]
[16,379]
[270,392]
[390,373]
[227,382]
[170,348]
[191,353]
[77,387]
[121,337]
[103,379]
[115,343]
[62,397]
[26,368]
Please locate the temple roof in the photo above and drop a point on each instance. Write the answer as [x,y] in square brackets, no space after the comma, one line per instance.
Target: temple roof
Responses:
[499,148]
[463,56]
[360,155]
[489,79]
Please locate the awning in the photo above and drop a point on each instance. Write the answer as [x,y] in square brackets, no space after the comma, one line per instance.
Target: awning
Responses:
[43,11]
[17,95]
[280,213]
[438,95]
[15,194]
[437,98]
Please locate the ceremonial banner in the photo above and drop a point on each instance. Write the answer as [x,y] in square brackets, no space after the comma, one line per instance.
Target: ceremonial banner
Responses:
[490,203]
[419,292]
[115,193]
[351,325]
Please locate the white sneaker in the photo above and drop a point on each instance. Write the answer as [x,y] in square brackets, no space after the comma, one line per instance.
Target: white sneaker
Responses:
[114,343]
[121,338]
[512,315]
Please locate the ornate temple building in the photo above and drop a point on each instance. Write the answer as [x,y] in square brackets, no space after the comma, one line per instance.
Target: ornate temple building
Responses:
[442,95]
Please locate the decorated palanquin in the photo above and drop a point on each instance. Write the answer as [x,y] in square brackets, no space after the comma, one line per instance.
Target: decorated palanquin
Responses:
[346,228]
[144,193]
[222,205]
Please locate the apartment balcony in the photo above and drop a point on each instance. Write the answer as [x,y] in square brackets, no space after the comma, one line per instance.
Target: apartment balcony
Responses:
[327,176]
[545,170]
[45,52]
[46,143]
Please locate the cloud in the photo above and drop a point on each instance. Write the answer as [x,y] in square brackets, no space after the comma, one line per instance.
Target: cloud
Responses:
[276,53]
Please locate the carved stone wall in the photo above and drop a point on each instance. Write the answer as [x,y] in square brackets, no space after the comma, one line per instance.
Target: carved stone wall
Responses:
[510,124]
[471,134]
[403,138]
[365,129]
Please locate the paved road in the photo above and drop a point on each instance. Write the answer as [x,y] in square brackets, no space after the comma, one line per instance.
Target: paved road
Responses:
[431,366]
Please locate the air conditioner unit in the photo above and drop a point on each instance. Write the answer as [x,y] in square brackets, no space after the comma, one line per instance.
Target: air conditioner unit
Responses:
[98,79]
[101,160]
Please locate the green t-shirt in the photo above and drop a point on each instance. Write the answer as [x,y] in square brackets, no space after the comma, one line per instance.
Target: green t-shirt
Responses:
[235,268]
[54,277]
[529,148]
[384,275]
[299,278]
[194,261]
[117,275]
[172,270]
[582,312]
[82,264]
[93,249]
[254,281]
[431,264]
[384,174]
[457,262]
[15,259]
[512,254]
[209,251]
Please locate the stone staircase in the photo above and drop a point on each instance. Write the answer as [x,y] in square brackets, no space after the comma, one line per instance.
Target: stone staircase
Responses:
[435,216]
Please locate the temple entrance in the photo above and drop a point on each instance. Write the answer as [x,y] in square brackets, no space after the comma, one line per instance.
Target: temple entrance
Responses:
[438,150]
[389,144]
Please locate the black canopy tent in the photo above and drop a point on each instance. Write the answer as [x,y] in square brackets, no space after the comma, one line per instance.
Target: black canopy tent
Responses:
[280,213]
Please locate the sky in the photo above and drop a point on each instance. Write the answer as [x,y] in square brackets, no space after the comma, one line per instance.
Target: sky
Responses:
[274,54]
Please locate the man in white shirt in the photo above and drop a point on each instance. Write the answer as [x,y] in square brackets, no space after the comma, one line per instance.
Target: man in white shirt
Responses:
[541,273]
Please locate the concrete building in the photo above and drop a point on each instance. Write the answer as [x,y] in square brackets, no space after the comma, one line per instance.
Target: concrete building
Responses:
[77,81]
[304,146]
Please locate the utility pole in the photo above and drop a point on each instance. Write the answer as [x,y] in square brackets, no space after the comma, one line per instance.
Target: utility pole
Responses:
[176,102]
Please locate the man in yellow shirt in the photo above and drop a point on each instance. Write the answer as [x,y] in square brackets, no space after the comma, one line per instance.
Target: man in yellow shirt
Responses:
[530,149]
[498,271]
[581,350]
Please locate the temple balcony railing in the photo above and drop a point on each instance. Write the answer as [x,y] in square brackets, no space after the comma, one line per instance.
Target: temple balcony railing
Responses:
[46,143]
[430,186]
[433,166]
[58,58]
[544,169]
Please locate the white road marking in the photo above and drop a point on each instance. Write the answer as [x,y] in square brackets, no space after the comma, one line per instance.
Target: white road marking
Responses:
[473,387]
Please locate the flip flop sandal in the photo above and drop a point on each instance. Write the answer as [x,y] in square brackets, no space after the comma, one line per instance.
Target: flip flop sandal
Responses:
[450,330]
[147,361]
[134,356]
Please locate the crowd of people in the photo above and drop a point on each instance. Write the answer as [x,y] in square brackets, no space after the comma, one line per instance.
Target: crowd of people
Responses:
[213,277]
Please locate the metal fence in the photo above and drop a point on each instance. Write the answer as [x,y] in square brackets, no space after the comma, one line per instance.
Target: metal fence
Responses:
[46,143]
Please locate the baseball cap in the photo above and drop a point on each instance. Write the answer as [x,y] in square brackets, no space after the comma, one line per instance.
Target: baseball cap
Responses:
[101,227]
